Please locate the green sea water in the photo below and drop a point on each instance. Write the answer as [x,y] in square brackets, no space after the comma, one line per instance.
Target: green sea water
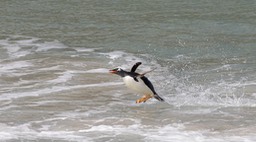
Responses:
[55,56]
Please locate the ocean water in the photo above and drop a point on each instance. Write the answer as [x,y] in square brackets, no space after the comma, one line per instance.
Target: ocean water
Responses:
[55,57]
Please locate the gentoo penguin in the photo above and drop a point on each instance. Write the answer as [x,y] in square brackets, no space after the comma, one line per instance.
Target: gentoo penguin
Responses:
[138,83]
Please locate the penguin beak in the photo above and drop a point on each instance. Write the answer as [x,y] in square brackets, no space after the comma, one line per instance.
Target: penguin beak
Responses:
[113,71]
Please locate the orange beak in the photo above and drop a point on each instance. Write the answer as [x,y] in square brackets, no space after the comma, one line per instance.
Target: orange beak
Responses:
[113,71]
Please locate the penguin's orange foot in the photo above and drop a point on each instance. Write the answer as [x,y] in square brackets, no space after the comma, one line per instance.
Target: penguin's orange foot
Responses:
[140,100]
[143,99]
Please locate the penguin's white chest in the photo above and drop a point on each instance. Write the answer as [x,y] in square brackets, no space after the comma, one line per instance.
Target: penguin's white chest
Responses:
[139,87]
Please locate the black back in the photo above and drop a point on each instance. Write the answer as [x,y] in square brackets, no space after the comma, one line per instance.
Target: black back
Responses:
[148,83]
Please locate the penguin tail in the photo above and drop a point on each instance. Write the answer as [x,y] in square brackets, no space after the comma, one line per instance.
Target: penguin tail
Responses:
[156,96]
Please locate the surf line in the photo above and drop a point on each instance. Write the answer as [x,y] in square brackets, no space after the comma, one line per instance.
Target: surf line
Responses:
[9,96]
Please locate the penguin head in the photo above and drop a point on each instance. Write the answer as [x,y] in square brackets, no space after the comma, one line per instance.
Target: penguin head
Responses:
[118,71]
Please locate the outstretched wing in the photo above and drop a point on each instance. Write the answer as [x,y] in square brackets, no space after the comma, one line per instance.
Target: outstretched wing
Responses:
[141,75]
[135,66]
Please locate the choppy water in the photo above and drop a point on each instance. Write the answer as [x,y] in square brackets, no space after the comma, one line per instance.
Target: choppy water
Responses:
[55,57]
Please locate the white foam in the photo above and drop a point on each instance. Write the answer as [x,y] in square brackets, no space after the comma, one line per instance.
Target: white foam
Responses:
[114,55]
[225,67]
[11,48]
[214,97]
[124,59]
[50,68]
[167,133]
[19,46]
[68,75]
[63,78]
[80,49]
[13,67]
[54,89]
[114,128]
[45,46]
[170,133]
[24,132]
[77,115]
[14,47]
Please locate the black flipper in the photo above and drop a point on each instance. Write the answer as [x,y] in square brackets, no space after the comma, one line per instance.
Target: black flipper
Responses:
[151,87]
[135,66]
[136,79]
